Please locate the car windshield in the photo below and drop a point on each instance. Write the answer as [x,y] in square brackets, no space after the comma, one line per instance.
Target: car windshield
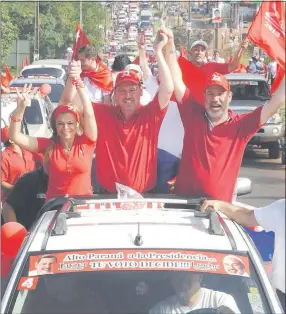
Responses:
[56,72]
[33,113]
[55,93]
[137,281]
[249,90]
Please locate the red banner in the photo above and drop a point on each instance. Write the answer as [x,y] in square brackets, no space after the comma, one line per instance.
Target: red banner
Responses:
[80,40]
[109,260]
[268,30]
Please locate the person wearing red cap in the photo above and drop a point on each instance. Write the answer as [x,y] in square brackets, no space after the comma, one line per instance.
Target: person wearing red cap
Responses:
[16,161]
[128,132]
[68,153]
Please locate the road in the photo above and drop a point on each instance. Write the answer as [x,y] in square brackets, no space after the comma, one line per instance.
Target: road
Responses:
[267,176]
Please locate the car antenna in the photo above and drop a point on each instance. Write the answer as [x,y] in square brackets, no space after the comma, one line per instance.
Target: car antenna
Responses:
[138,239]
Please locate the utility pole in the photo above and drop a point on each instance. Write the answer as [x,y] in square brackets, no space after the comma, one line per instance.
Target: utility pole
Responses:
[80,13]
[36,29]
[189,20]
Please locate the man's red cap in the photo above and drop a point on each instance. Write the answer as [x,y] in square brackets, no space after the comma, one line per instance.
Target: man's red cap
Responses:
[218,79]
[5,134]
[127,76]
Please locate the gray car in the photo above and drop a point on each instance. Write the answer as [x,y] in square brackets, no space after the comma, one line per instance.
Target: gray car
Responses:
[249,92]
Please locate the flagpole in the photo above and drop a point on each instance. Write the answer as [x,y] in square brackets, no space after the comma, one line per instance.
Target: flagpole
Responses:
[80,13]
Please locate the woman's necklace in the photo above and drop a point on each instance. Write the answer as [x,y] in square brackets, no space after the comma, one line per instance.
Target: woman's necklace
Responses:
[68,151]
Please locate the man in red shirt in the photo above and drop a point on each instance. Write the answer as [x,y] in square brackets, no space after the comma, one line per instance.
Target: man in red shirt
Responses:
[215,137]
[198,53]
[126,149]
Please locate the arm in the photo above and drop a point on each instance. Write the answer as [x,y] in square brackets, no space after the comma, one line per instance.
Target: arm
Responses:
[234,64]
[24,141]
[166,86]
[176,73]
[8,213]
[275,103]
[89,122]
[142,57]
[241,215]
[7,187]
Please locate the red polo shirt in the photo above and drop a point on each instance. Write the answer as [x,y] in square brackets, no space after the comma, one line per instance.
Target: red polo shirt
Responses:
[126,151]
[211,159]
[13,166]
[69,175]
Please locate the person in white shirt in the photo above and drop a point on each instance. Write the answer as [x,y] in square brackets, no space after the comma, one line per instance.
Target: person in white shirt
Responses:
[272,68]
[216,58]
[190,296]
[96,76]
[271,218]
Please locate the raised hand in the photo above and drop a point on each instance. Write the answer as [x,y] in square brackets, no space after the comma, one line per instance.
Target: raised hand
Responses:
[74,69]
[160,41]
[24,98]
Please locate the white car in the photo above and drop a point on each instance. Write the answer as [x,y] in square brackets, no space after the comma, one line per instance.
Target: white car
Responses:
[100,255]
[36,117]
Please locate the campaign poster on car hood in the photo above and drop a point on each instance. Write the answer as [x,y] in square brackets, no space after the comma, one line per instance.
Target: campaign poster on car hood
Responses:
[102,260]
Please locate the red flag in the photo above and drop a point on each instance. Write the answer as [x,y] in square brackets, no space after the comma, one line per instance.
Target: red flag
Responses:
[268,30]
[80,40]
[184,52]
[278,78]
[193,78]
[27,60]
[22,64]
[9,76]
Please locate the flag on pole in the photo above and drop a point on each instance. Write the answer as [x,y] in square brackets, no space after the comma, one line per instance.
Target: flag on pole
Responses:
[80,40]
[9,76]
[268,30]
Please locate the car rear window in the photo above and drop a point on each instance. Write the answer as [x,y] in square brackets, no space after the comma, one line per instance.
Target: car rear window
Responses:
[55,93]
[137,281]
[249,90]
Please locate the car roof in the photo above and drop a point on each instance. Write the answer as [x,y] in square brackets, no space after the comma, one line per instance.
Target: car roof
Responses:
[244,76]
[89,227]
[31,80]
[51,61]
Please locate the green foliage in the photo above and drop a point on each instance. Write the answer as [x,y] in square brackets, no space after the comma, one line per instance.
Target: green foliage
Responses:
[181,36]
[57,23]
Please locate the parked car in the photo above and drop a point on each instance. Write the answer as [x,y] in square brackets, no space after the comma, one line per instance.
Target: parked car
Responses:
[62,62]
[36,117]
[104,255]
[250,91]
[51,70]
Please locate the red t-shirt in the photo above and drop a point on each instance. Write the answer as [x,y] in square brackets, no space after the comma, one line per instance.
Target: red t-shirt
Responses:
[126,151]
[211,159]
[69,175]
[211,67]
[13,166]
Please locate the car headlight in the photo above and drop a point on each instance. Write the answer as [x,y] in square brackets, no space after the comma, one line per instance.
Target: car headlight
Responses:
[275,119]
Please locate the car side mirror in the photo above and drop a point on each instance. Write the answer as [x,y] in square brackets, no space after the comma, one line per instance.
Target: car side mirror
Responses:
[243,186]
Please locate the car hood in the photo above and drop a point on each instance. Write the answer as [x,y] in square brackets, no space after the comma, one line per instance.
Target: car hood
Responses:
[242,109]
[39,130]
[247,103]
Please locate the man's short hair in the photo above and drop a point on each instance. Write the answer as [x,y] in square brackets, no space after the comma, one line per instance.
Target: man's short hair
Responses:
[47,256]
[89,51]
[120,62]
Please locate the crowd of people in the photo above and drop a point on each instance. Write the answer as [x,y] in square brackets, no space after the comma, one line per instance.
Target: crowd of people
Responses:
[129,119]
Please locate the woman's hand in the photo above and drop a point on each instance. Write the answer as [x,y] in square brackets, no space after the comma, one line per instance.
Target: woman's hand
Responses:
[24,98]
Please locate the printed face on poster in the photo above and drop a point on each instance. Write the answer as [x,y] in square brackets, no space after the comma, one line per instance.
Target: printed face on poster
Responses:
[216,16]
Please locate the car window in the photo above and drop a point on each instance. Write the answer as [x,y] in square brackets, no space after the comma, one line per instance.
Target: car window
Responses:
[249,90]
[135,281]
[56,72]
[55,93]
[33,113]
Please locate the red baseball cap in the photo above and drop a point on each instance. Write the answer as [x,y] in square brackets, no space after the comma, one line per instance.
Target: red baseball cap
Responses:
[218,79]
[127,76]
